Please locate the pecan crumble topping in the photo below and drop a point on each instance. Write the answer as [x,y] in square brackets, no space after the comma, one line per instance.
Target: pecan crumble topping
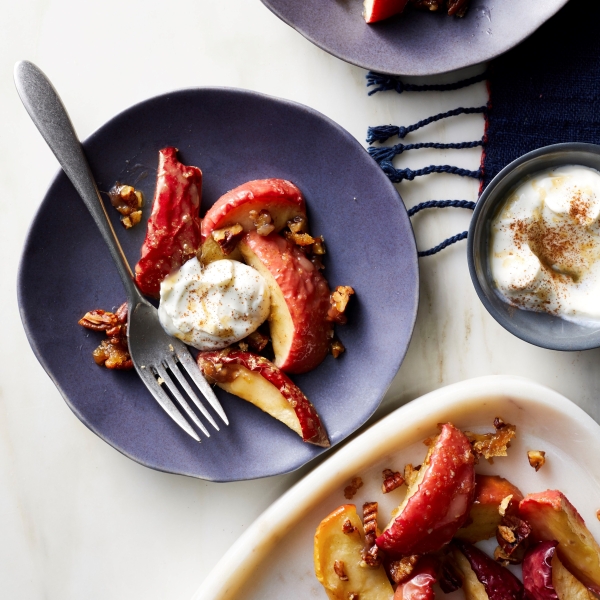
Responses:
[400,570]
[371,554]
[113,352]
[489,445]
[339,301]
[391,481]
[350,490]
[262,221]
[537,458]
[340,570]
[128,201]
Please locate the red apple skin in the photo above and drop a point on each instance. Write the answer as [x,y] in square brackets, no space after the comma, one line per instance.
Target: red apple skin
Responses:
[300,331]
[310,423]
[440,505]
[378,10]
[553,517]
[281,198]
[499,582]
[537,571]
[173,233]
[420,584]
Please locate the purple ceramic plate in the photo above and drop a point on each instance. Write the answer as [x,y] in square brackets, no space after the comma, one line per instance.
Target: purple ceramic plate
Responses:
[233,136]
[416,43]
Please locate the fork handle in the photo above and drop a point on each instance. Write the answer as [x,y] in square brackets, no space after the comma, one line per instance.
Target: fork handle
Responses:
[47,111]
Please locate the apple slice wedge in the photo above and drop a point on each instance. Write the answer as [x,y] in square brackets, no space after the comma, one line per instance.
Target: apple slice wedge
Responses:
[546,578]
[484,518]
[483,577]
[259,381]
[281,198]
[553,517]
[378,10]
[300,331]
[438,502]
[338,544]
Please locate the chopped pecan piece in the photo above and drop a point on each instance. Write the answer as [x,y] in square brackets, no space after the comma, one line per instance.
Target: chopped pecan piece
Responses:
[339,301]
[336,348]
[513,538]
[504,504]
[489,445]
[228,237]
[113,355]
[131,220]
[262,221]
[98,320]
[350,490]
[371,554]
[300,239]
[536,458]
[113,352]
[400,570]
[298,224]
[318,246]
[347,527]
[128,201]
[258,341]
[430,5]
[391,481]
[353,596]
[340,570]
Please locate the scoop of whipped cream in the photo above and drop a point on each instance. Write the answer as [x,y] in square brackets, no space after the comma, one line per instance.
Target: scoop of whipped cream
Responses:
[214,306]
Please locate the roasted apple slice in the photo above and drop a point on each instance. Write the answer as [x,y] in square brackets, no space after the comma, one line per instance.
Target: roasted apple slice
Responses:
[553,517]
[546,578]
[378,10]
[438,502]
[259,381]
[299,301]
[420,584]
[483,577]
[484,518]
[173,234]
[339,541]
[280,198]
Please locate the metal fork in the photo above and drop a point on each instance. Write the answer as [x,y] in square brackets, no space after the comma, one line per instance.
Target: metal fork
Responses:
[153,352]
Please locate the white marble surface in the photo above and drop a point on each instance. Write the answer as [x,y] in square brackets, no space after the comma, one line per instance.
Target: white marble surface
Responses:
[77,518]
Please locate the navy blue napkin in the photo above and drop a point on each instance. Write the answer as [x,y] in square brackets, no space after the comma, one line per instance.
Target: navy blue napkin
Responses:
[547,89]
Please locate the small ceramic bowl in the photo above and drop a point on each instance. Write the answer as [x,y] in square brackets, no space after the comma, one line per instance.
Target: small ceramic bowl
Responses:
[541,329]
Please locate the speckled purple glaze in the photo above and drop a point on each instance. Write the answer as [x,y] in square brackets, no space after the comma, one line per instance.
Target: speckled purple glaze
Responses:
[415,43]
[233,136]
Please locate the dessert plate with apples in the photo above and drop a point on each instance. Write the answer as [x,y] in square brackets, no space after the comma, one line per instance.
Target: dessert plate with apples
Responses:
[415,42]
[311,540]
[243,154]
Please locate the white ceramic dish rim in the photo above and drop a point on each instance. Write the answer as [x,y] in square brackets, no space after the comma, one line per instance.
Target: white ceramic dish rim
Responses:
[393,431]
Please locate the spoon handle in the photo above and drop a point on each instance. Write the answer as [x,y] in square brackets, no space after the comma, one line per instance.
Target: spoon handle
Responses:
[47,111]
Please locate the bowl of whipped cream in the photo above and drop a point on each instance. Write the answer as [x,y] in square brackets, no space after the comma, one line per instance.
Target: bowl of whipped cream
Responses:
[534,247]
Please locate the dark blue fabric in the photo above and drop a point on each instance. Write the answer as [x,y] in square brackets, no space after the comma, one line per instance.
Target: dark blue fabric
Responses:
[547,90]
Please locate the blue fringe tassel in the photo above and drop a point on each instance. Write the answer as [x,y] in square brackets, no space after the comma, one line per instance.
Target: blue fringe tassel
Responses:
[384,132]
[444,244]
[398,175]
[386,153]
[441,204]
[389,82]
